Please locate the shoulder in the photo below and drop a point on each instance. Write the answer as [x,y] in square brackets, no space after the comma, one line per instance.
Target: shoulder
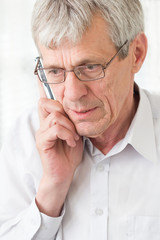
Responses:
[154,99]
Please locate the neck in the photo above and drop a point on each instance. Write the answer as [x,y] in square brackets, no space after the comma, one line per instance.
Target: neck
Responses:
[118,130]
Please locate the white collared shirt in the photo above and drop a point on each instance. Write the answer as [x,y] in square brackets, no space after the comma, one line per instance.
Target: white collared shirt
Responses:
[112,197]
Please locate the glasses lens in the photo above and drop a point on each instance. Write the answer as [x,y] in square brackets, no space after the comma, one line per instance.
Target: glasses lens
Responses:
[84,73]
[51,75]
[89,72]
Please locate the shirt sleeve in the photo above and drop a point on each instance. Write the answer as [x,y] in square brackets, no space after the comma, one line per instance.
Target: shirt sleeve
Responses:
[20,174]
[31,224]
[49,227]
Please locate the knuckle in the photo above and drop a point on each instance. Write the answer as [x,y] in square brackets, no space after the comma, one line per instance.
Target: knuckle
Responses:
[55,115]
[53,119]
[57,129]
[41,102]
[59,107]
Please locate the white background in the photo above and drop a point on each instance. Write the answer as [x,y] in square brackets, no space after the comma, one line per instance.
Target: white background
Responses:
[18,87]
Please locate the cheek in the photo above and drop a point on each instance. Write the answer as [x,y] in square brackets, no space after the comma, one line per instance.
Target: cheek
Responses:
[58,91]
[109,98]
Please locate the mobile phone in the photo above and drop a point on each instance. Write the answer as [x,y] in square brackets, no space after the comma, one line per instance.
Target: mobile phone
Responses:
[47,88]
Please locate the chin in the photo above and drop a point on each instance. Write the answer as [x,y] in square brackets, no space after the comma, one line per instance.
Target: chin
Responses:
[90,130]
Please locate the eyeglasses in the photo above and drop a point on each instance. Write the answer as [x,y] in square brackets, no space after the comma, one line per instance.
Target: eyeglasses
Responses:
[89,72]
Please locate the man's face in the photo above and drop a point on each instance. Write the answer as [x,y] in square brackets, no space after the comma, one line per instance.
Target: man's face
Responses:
[95,106]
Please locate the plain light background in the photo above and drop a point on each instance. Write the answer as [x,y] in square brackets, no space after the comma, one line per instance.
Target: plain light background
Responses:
[18,86]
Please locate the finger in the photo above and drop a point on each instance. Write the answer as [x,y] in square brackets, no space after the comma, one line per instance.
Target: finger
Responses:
[59,119]
[47,106]
[48,139]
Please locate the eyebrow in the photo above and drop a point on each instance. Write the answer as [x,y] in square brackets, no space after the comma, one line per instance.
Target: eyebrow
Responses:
[89,60]
[80,63]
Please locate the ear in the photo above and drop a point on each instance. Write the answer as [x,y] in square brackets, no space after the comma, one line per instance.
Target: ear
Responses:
[139,50]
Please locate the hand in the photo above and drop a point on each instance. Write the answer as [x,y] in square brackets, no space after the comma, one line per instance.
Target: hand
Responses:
[60,150]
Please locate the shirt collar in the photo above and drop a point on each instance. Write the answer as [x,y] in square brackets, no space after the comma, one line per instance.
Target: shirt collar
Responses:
[141,132]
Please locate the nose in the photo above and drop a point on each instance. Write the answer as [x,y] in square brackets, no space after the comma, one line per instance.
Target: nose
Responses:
[74,88]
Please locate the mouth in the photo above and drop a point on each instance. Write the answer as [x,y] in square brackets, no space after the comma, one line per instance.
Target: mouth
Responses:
[83,114]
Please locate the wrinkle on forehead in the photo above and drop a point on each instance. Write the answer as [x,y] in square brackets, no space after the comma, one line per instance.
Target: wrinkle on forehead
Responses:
[95,46]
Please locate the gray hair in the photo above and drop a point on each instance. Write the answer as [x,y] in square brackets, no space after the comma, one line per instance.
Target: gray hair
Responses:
[55,20]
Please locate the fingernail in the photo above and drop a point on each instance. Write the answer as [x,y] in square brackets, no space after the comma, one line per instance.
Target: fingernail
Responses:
[73,144]
[76,137]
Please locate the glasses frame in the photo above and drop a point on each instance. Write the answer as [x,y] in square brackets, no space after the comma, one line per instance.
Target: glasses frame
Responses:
[39,67]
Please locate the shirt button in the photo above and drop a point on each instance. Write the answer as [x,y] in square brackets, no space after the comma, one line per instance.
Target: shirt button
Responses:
[99,212]
[100,168]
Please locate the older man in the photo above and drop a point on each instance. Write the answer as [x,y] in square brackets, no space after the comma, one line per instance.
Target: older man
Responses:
[96,173]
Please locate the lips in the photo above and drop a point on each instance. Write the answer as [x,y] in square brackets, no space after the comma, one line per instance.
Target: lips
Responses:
[83,111]
[83,114]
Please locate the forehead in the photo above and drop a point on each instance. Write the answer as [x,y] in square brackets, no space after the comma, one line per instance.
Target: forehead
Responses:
[95,43]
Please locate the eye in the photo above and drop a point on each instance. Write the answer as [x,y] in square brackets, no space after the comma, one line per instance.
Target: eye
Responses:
[55,72]
[92,67]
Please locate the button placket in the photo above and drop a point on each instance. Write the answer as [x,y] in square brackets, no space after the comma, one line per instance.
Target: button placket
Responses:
[99,200]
